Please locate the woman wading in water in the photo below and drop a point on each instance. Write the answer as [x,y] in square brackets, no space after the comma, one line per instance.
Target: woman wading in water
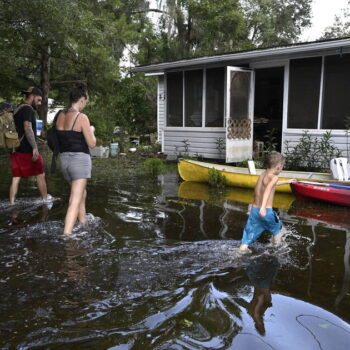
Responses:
[75,136]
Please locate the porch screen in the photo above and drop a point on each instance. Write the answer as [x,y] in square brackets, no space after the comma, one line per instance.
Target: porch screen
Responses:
[304,93]
[336,102]
[214,97]
[193,97]
[174,99]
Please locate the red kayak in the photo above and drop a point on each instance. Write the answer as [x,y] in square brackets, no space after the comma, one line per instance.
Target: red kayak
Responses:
[323,192]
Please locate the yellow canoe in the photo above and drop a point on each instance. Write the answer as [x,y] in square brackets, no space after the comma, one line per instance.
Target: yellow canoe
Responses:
[192,170]
[201,191]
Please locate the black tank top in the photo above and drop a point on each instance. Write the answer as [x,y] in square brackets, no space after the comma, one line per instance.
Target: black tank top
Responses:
[72,141]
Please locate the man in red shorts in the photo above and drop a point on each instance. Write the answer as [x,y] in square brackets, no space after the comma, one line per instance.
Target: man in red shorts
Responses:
[27,161]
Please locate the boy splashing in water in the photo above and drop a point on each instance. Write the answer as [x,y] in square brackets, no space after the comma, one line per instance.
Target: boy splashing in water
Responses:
[262,217]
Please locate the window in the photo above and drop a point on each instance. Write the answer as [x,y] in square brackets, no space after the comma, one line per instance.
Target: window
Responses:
[193,97]
[239,95]
[185,93]
[304,93]
[174,99]
[336,101]
[214,98]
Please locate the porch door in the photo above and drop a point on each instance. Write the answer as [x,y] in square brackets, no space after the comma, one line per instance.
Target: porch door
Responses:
[239,114]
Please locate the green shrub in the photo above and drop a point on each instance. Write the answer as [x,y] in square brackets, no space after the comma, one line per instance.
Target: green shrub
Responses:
[216,178]
[259,164]
[153,167]
[311,153]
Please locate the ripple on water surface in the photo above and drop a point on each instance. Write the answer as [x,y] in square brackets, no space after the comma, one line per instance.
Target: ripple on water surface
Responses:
[124,291]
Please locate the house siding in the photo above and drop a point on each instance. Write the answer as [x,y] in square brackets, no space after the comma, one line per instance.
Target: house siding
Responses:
[200,143]
[161,108]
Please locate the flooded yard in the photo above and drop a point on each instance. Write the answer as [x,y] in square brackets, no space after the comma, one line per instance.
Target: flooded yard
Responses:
[157,267]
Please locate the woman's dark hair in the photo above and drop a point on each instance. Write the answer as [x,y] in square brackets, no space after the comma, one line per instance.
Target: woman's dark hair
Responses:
[78,91]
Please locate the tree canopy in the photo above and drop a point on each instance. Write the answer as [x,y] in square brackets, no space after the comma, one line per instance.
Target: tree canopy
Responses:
[51,44]
[340,27]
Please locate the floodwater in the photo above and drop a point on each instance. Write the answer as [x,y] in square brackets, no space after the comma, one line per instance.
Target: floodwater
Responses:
[157,267]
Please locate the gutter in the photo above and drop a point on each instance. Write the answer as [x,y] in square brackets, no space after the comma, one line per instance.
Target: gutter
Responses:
[244,55]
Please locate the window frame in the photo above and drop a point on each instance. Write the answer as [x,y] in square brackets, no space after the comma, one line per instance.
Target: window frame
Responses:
[319,131]
[204,80]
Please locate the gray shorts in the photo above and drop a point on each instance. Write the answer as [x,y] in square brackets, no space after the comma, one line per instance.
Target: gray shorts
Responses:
[75,165]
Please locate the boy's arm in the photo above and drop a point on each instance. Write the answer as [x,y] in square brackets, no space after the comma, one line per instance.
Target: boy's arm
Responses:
[286,182]
[267,194]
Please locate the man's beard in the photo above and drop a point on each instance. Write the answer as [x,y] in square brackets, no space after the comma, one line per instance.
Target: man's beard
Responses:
[34,105]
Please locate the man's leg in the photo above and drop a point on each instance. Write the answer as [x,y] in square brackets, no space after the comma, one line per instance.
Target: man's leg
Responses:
[40,179]
[76,196]
[14,189]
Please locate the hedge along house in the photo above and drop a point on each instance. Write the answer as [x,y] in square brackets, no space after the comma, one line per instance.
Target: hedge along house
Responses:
[217,106]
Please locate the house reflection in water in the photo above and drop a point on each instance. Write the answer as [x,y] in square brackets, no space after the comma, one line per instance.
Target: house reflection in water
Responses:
[205,215]
[199,212]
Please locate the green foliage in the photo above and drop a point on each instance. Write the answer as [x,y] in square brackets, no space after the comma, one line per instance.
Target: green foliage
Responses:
[192,28]
[153,167]
[220,145]
[131,106]
[244,164]
[216,178]
[149,149]
[186,146]
[340,28]
[52,43]
[270,140]
[311,153]
[275,22]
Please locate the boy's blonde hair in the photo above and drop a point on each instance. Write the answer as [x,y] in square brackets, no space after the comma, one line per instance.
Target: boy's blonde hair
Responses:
[273,159]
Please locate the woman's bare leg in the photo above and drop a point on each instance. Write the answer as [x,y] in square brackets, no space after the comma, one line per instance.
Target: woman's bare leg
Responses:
[82,209]
[76,196]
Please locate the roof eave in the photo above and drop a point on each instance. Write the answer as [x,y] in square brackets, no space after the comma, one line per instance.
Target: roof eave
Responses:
[247,55]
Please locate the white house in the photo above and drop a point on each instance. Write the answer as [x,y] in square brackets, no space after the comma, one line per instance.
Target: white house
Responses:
[236,98]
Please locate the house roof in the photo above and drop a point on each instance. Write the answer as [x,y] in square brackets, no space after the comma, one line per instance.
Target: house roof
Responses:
[279,51]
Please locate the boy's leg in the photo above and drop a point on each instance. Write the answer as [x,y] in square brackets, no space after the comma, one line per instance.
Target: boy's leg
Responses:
[276,239]
[243,247]
[40,179]
[252,230]
[14,189]
[277,227]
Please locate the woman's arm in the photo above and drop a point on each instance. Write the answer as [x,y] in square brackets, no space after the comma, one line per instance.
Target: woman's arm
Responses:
[88,131]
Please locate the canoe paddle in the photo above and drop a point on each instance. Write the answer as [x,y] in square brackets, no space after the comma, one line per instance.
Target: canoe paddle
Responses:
[325,184]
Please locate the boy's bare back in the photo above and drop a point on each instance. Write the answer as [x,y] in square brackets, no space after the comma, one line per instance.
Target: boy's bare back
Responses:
[265,185]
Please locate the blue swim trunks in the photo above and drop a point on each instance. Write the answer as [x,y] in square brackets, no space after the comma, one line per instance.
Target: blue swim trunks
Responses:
[256,225]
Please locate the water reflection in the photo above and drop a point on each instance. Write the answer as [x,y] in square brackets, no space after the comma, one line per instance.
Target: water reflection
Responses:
[261,273]
[157,268]
[201,191]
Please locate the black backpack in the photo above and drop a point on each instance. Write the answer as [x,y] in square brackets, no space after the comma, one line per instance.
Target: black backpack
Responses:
[53,143]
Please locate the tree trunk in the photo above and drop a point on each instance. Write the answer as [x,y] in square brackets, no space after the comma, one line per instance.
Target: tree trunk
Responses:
[45,84]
